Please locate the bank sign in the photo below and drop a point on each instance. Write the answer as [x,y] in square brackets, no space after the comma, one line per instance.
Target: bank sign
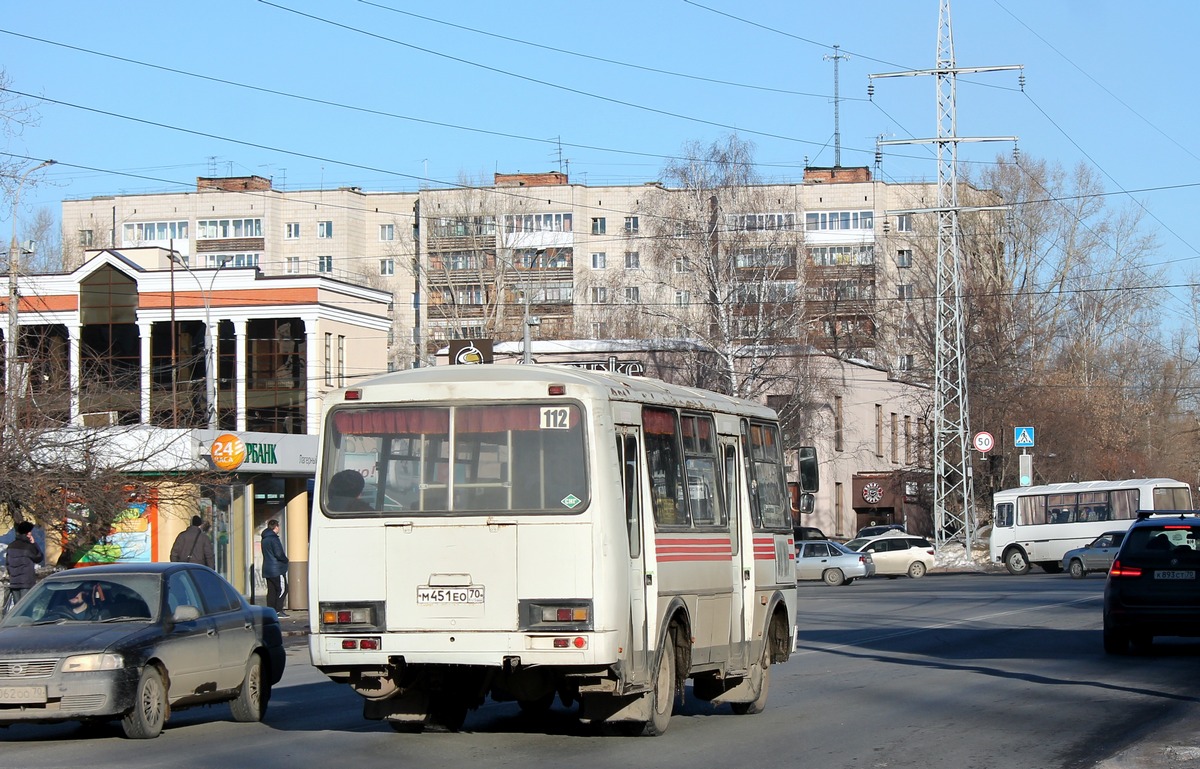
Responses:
[263,451]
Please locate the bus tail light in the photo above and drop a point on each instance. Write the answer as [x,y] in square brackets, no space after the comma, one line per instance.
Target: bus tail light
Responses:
[351,616]
[570,615]
[365,644]
[1118,570]
[579,642]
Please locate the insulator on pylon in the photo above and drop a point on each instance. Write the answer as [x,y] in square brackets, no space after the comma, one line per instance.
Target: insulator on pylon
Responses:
[1016,154]
[870,91]
[1021,80]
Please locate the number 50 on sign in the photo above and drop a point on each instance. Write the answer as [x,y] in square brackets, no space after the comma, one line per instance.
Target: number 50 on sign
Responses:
[984,442]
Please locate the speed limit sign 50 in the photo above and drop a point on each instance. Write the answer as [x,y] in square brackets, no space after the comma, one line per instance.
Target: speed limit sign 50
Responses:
[984,442]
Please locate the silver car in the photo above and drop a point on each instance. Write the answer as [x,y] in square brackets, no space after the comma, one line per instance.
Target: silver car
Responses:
[1096,555]
[830,562]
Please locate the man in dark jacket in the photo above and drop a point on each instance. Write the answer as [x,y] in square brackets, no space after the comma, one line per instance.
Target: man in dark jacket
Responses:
[193,545]
[22,558]
[274,565]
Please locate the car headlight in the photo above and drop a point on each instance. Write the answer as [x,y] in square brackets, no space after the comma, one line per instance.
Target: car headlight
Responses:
[84,663]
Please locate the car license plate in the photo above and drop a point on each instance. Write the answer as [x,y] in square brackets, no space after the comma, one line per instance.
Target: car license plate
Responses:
[22,694]
[1174,574]
[440,595]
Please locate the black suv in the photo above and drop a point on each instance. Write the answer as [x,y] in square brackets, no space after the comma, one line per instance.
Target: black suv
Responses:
[1153,587]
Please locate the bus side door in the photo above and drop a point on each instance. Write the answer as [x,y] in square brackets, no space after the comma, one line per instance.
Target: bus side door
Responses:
[643,590]
[742,562]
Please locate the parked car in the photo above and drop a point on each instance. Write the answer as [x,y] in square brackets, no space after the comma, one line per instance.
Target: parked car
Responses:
[875,531]
[802,533]
[1096,555]
[1153,586]
[831,562]
[897,554]
[136,642]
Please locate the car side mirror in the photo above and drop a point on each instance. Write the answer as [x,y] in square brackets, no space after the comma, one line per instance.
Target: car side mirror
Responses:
[186,613]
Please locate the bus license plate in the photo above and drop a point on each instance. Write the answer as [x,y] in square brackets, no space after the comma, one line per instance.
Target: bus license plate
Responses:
[22,695]
[1174,574]
[439,595]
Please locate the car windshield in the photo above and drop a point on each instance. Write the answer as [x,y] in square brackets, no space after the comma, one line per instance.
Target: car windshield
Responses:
[842,548]
[855,544]
[87,598]
[1179,542]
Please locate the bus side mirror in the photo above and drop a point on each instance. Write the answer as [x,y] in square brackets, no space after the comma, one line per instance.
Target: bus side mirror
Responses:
[808,503]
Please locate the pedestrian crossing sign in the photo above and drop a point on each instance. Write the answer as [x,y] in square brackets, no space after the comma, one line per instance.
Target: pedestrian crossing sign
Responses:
[1023,437]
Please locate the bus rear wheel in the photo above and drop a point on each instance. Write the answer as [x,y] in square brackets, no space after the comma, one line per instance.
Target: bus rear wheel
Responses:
[662,699]
[1016,562]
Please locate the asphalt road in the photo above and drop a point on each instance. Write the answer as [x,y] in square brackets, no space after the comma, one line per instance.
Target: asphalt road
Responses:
[961,671]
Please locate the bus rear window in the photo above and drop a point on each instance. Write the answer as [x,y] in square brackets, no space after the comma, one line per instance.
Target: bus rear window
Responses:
[439,459]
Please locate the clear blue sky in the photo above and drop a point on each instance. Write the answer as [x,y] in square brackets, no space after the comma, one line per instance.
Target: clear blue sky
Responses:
[1106,83]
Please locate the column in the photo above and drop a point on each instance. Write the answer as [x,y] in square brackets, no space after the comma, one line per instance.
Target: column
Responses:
[312,375]
[145,329]
[74,333]
[296,531]
[213,368]
[239,378]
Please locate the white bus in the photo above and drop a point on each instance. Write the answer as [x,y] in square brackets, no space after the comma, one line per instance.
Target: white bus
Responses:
[526,531]
[1039,524]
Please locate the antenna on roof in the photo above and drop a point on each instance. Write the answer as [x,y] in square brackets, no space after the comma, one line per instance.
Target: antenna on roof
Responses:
[837,132]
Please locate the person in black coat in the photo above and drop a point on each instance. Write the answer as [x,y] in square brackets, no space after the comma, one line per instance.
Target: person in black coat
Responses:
[193,545]
[21,558]
[274,565]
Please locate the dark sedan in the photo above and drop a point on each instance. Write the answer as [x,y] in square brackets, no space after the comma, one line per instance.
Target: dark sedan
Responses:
[136,642]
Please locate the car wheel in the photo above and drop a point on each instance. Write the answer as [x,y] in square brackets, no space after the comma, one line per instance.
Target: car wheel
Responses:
[149,712]
[251,702]
[833,577]
[1115,641]
[1016,562]
[1077,570]
[916,569]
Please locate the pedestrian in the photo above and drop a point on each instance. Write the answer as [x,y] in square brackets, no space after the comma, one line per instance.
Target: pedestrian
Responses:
[274,565]
[21,558]
[193,545]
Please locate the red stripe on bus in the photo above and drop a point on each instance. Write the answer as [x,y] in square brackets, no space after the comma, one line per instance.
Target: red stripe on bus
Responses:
[694,557]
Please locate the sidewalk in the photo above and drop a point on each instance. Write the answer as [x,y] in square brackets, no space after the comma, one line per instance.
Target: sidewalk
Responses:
[295,623]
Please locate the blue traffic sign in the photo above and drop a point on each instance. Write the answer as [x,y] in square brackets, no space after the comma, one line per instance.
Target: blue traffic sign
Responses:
[1023,437]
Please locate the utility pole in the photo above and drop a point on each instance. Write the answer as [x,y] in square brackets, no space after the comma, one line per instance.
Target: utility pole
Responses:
[953,503]
[11,380]
[837,131]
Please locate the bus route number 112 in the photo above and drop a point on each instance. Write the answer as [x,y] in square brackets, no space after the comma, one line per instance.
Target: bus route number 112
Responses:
[556,418]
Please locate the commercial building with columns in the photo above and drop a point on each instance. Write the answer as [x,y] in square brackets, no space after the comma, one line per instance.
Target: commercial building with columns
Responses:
[221,370]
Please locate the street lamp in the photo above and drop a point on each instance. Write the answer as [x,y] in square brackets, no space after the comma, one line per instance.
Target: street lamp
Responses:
[10,336]
[526,353]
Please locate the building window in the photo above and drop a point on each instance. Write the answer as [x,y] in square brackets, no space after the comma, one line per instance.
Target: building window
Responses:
[217,229]
[904,257]
[324,264]
[895,438]
[387,232]
[325,229]
[908,440]
[598,225]
[341,361]
[837,423]
[292,265]
[599,295]
[163,232]
[600,331]
[904,363]
[291,231]
[538,223]
[904,292]
[633,295]
[633,260]
[839,220]
[904,223]
[85,238]
[754,222]
[329,359]
[599,260]
[631,225]
[683,298]
[387,266]
[878,430]
[681,265]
